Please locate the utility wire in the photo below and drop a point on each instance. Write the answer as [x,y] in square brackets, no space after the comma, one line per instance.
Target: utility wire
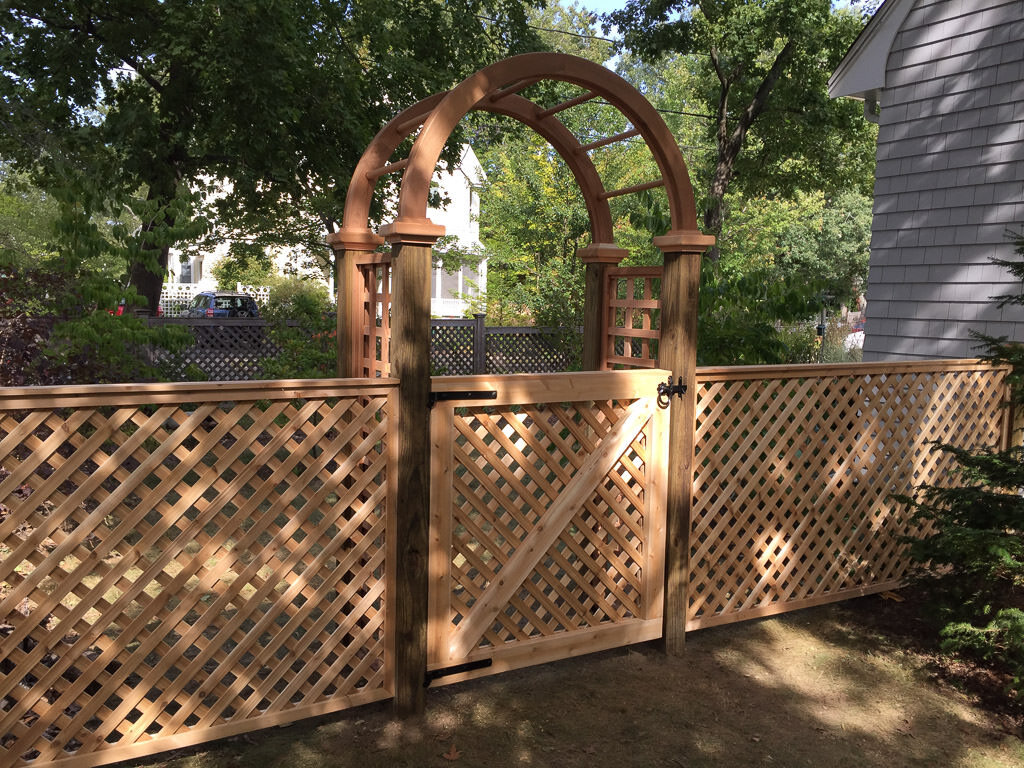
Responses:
[606,40]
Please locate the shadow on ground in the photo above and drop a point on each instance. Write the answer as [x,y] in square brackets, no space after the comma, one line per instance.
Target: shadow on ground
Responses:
[812,688]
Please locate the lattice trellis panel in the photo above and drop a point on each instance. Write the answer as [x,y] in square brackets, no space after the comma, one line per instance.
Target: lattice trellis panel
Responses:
[182,563]
[632,317]
[376,348]
[554,515]
[226,349]
[795,471]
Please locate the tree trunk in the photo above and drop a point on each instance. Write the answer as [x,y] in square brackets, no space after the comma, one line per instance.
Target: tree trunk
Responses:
[730,143]
[147,274]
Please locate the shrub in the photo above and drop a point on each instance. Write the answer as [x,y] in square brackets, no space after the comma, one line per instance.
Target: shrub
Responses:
[303,327]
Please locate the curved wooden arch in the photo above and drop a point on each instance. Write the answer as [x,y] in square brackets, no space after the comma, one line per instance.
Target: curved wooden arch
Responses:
[493,89]
[384,144]
[533,67]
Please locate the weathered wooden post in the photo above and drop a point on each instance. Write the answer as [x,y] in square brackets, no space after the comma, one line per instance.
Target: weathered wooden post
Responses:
[598,258]
[410,363]
[677,352]
[349,245]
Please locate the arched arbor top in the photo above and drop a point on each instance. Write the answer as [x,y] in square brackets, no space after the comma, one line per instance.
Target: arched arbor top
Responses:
[497,89]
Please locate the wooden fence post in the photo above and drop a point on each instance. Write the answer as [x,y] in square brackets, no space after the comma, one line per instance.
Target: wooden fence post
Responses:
[410,364]
[678,353]
[598,257]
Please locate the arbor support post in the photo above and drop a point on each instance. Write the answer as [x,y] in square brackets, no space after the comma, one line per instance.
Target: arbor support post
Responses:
[350,245]
[409,542]
[677,352]
[598,258]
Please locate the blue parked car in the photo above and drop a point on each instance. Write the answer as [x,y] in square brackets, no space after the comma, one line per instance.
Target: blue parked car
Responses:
[222,304]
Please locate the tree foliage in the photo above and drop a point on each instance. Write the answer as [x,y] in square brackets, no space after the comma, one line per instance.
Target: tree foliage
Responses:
[138,105]
[760,71]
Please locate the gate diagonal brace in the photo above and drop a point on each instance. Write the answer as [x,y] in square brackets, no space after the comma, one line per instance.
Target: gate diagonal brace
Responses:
[477,394]
[667,389]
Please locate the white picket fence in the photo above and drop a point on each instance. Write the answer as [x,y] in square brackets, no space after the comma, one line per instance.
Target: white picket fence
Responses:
[175,297]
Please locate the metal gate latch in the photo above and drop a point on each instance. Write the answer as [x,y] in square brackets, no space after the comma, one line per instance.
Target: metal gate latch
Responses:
[666,389]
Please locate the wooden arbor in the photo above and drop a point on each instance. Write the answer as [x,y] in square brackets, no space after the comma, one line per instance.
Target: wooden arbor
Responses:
[411,235]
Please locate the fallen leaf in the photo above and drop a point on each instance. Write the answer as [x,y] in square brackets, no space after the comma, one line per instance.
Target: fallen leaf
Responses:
[452,754]
[892,596]
[755,738]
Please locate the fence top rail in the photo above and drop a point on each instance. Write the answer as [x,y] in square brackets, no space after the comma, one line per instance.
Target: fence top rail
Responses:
[19,398]
[241,321]
[528,330]
[825,370]
[523,388]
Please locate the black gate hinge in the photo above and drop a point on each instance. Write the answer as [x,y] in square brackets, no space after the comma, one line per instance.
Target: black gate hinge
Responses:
[473,394]
[666,389]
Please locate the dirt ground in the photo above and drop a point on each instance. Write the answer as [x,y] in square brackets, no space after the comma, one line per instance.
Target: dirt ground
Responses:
[831,686]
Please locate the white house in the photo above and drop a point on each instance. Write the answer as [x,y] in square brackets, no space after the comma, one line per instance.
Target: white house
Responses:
[451,293]
[944,80]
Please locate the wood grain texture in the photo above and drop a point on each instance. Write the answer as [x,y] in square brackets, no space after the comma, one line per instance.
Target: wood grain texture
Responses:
[554,534]
[795,469]
[181,570]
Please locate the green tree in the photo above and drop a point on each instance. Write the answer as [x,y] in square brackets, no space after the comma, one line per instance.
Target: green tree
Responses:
[805,239]
[245,263]
[144,104]
[27,219]
[533,216]
[761,68]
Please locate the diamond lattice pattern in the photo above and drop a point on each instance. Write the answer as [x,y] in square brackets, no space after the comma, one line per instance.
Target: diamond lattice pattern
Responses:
[794,478]
[178,567]
[510,466]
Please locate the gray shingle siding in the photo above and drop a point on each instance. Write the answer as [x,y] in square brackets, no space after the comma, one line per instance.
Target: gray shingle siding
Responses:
[949,181]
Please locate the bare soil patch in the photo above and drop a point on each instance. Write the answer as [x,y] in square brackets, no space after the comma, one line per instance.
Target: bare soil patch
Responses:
[841,685]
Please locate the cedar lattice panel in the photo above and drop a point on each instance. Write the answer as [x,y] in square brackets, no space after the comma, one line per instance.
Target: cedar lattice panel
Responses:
[178,572]
[794,476]
[632,317]
[511,465]
[376,351]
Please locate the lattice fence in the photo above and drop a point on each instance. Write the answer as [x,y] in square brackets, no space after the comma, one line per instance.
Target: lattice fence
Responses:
[632,317]
[182,563]
[795,468]
[530,350]
[556,536]
[225,349]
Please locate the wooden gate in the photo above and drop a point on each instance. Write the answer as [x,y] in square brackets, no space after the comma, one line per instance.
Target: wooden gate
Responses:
[547,518]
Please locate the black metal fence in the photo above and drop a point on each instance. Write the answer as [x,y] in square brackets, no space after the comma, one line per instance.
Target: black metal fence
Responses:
[462,347]
[230,349]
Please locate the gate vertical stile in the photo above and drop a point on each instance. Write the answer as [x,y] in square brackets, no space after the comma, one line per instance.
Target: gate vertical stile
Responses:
[442,430]
[656,513]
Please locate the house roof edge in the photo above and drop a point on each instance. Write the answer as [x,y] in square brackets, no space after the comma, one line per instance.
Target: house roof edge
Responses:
[861,73]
